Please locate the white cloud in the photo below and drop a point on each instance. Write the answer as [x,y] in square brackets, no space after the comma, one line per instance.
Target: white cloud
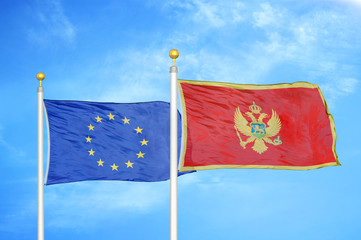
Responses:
[133,74]
[352,2]
[18,219]
[88,203]
[338,87]
[189,180]
[268,16]
[305,42]
[218,15]
[53,24]
[14,151]
[348,85]
[304,34]
[227,191]
[209,66]
[214,14]
[310,42]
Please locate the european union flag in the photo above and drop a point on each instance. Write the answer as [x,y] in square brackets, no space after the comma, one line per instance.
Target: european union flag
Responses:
[108,141]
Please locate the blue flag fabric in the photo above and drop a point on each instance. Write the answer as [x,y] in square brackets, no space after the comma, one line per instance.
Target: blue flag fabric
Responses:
[108,141]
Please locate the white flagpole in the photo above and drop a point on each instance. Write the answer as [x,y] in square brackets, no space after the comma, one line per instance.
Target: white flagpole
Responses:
[173,148]
[40,76]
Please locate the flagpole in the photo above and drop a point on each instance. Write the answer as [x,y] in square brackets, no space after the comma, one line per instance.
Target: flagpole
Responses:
[173,148]
[40,76]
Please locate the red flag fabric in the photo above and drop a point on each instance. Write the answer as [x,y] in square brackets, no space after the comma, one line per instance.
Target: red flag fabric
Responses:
[282,126]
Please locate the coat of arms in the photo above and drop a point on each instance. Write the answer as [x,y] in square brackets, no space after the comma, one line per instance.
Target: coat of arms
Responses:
[257,131]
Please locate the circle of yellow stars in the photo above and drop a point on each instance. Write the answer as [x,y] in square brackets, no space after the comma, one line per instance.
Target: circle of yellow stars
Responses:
[125,120]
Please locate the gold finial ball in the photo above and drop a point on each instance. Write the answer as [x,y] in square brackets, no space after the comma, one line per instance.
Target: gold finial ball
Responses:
[40,76]
[173,53]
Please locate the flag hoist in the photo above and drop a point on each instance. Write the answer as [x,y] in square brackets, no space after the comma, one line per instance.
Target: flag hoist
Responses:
[173,148]
[40,76]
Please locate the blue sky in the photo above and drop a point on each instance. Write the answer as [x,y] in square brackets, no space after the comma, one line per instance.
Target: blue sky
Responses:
[118,51]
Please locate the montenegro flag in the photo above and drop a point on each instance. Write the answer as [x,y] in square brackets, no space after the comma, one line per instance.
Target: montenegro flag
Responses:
[281,126]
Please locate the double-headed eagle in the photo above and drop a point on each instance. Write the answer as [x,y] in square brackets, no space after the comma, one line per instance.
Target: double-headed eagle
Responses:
[257,131]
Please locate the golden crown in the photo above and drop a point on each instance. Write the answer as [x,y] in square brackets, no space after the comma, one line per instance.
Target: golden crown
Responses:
[255,108]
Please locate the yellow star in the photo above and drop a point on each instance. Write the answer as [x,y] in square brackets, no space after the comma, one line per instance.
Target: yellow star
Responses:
[91,152]
[88,139]
[126,120]
[139,130]
[114,167]
[111,117]
[98,119]
[144,142]
[100,163]
[91,127]
[140,154]
[129,164]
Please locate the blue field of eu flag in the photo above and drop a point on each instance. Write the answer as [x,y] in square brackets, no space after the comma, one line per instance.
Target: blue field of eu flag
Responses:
[108,141]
